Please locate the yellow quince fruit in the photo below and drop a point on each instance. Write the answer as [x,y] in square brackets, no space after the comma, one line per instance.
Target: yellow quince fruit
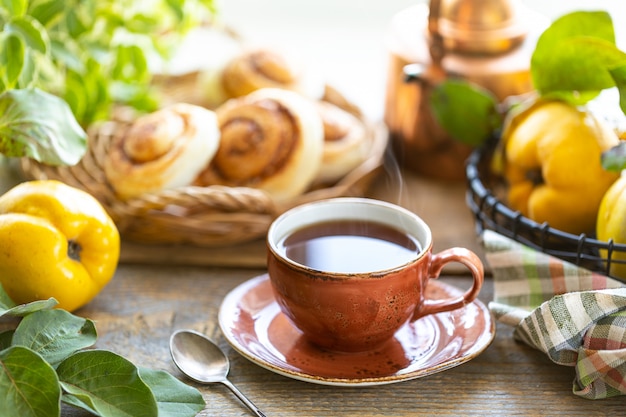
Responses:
[552,164]
[611,222]
[55,241]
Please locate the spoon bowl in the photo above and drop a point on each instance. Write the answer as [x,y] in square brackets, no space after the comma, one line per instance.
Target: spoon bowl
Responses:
[196,356]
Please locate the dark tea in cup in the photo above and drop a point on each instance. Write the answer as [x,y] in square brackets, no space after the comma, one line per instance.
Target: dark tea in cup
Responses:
[350,246]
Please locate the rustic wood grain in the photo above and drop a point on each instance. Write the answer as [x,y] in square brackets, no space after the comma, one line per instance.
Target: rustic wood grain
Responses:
[142,306]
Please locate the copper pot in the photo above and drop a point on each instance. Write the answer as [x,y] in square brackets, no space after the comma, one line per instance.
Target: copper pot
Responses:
[486,42]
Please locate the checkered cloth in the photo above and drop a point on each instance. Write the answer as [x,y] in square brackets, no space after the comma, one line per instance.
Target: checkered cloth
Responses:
[577,317]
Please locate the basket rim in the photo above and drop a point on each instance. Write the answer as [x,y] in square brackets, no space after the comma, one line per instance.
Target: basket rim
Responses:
[489,212]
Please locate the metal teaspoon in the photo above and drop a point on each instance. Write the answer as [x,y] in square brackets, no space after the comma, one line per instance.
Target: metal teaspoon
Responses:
[203,361]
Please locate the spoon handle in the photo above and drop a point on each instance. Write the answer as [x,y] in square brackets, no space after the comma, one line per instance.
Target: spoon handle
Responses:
[243,398]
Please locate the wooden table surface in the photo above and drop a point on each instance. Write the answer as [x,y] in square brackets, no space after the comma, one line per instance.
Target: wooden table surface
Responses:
[145,302]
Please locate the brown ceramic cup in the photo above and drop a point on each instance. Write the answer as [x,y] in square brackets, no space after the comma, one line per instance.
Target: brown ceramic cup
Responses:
[358,309]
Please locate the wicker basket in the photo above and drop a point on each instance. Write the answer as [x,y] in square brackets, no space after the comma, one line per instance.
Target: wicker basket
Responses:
[485,199]
[201,216]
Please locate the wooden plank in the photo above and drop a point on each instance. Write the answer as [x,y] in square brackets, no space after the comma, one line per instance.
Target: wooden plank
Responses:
[143,305]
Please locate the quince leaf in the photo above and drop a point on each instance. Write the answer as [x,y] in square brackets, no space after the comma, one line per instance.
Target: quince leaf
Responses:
[174,398]
[29,386]
[9,308]
[584,41]
[31,31]
[25,309]
[619,75]
[40,125]
[614,159]
[106,384]
[46,12]
[16,8]
[11,46]
[55,334]
[467,112]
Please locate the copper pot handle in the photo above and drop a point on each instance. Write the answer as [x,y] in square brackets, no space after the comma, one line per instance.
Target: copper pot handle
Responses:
[433,72]
[436,46]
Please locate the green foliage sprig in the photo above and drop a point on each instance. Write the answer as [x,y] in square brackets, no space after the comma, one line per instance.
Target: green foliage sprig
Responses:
[90,54]
[44,361]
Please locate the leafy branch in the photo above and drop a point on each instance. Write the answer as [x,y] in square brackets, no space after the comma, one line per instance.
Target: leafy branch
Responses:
[45,361]
[86,54]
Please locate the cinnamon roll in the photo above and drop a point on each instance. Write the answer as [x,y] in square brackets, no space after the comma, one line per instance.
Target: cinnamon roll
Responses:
[254,69]
[161,150]
[271,139]
[346,143]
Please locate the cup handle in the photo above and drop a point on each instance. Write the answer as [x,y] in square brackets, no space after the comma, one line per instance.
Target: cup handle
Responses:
[437,262]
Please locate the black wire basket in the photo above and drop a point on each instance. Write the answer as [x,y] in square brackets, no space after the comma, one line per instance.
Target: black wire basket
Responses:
[490,212]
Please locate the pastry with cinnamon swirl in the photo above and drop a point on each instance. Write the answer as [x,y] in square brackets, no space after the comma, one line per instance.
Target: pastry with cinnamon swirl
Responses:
[161,150]
[271,139]
[258,68]
[346,143]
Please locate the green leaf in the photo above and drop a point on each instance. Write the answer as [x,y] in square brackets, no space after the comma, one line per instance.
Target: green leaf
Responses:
[467,112]
[113,20]
[67,54]
[592,59]
[174,398]
[41,126]
[29,73]
[76,25]
[176,7]
[584,41]
[85,90]
[48,12]
[55,334]
[107,383]
[592,24]
[580,23]
[31,31]
[11,58]
[9,308]
[619,75]
[614,159]
[76,94]
[25,309]
[142,23]
[131,64]
[15,7]
[63,36]
[89,30]
[29,387]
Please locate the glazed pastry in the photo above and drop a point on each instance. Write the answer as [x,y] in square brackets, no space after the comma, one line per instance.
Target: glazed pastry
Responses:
[271,139]
[254,69]
[161,150]
[346,143]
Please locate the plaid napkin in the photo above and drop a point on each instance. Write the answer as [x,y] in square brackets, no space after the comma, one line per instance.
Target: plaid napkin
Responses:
[577,317]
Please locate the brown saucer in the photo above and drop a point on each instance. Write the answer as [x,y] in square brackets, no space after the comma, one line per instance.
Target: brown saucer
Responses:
[254,326]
